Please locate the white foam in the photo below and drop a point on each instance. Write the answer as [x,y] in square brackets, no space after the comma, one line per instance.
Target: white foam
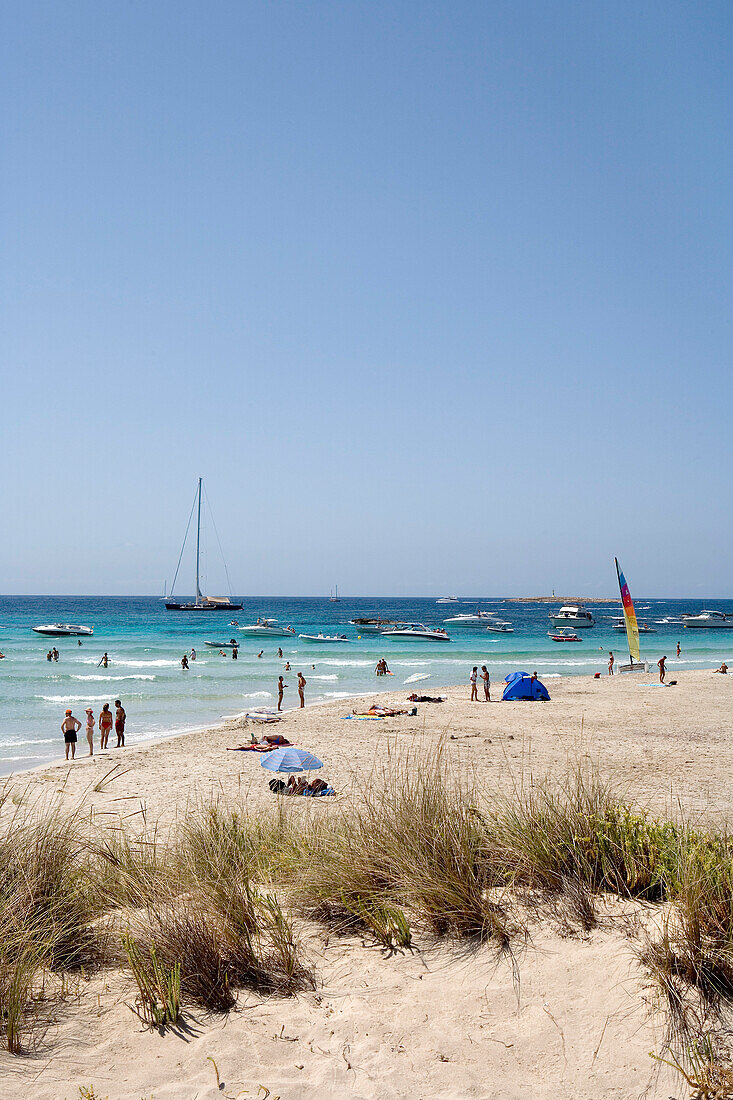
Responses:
[79,698]
[112,678]
[311,677]
[257,695]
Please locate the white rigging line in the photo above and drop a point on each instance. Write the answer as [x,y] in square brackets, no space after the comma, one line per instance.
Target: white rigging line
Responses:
[183,547]
[216,532]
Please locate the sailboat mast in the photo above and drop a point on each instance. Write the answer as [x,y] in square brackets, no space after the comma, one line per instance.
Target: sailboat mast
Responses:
[198,546]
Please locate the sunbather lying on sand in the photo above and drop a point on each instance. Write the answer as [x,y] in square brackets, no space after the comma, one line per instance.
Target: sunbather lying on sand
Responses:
[270,741]
[301,786]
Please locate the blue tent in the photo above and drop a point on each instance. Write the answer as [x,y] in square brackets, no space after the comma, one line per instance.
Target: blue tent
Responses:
[520,686]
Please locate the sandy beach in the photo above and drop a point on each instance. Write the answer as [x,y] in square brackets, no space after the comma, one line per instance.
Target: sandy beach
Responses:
[570,1016]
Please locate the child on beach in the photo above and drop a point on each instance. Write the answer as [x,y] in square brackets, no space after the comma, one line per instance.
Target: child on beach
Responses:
[90,730]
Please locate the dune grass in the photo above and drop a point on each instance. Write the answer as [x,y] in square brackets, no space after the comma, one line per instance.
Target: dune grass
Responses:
[210,908]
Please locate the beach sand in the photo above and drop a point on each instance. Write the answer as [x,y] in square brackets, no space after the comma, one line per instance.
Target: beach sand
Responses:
[569,1017]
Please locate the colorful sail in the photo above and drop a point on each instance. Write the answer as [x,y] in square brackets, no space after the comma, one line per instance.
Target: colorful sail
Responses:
[632,627]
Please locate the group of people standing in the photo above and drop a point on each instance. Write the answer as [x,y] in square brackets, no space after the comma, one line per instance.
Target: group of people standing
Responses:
[71,726]
[473,680]
[281,686]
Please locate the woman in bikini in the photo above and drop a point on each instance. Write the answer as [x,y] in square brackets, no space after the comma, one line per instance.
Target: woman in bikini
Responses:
[105,724]
[90,730]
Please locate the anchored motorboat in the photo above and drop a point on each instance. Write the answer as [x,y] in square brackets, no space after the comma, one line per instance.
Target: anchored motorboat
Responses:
[231,644]
[643,628]
[447,599]
[572,615]
[476,618]
[64,630]
[323,637]
[563,636]
[708,620]
[500,626]
[269,628]
[416,632]
[375,625]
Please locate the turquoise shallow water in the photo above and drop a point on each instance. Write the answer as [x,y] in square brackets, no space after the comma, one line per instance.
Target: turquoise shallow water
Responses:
[145,644]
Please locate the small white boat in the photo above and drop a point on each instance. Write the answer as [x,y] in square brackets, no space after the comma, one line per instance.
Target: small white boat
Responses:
[269,628]
[416,632]
[447,599]
[708,620]
[573,615]
[323,638]
[500,626]
[563,635]
[231,644]
[643,628]
[64,630]
[477,618]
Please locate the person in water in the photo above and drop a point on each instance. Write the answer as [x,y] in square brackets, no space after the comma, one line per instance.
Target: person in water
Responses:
[105,725]
[105,660]
[49,655]
[301,688]
[678,649]
[184,662]
[662,666]
[193,654]
[279,651]
[120,717]
[55,653]
[235,653]
[90,730]
[260,653]
[281,685]
[69,727]
[287,666]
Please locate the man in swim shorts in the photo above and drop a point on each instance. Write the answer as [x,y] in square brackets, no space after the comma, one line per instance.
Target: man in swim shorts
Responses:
[69,728]
[487,683]
[120,717]
[301,688]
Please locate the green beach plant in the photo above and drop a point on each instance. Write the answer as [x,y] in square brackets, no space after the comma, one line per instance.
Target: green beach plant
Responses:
[159,986]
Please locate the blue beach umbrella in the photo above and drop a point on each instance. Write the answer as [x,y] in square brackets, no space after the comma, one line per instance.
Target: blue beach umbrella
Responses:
[289,759]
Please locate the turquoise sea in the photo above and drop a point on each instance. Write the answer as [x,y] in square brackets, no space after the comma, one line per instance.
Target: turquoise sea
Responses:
[145,643]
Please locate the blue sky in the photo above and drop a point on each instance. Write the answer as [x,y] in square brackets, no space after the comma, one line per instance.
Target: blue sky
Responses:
[435,296]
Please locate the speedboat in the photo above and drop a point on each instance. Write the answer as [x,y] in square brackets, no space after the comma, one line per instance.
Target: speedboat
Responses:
[477,618]
[447,599]
[500,626]
[563,636]
[270,628]
[643,628]
[573,615]
[708,620]
[64,630]
[231,644]
[417,632]
[323,637]
[374,625]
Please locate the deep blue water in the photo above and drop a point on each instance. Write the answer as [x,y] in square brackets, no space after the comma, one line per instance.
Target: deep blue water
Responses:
[145,643]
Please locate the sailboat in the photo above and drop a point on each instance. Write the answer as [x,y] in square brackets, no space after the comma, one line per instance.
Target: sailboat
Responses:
[334,597]
[632,628]
[201,603]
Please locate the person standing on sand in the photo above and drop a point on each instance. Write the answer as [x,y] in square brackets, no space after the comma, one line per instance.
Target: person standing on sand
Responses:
[120,717]
[301,688]
[662,669]
[487,683]
[473,681]
[69,728]
[678,649]
[611,662]
[90,730]
[281,685]
[105,725]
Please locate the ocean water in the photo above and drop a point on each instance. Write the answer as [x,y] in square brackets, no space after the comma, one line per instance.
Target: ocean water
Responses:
[145,643]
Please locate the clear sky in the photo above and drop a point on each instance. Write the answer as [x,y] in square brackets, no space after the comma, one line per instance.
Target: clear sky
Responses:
[435,296]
